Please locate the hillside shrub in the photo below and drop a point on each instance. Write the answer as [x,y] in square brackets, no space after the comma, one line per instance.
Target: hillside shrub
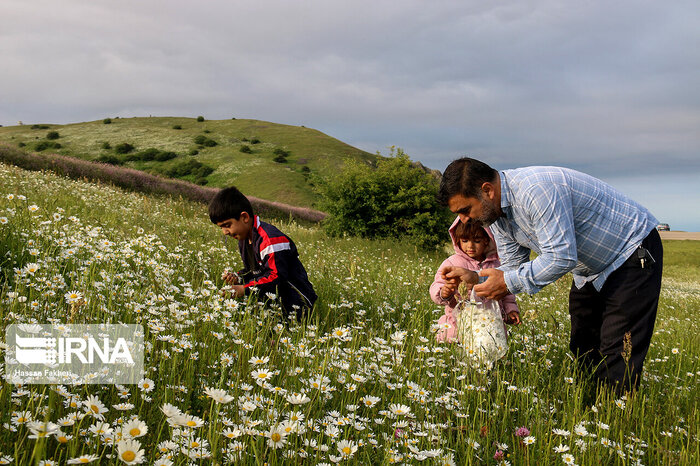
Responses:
[21,144]
[177,126]
[246,149]
[162,156]
[280,159]
[40,127]
[110,159]
[190,167]
[151,154]
[147,155]
[123,148]
[52,135]
[106,145]
[396,199]
[200,118]
[255,141]
[202,140]
[107,121]
[193,152]
[282,152]
[43,145]
[206,131]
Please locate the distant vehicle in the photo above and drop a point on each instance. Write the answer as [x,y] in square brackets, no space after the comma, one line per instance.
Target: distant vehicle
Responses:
[663,227]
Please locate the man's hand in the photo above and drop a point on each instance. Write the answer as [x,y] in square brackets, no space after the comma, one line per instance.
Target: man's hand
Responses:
[454,275]
[494,287]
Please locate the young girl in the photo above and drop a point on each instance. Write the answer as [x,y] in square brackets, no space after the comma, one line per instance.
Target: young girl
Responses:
[474,250]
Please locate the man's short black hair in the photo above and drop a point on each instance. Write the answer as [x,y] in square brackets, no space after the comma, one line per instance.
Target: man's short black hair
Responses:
[464,176]
[229,203]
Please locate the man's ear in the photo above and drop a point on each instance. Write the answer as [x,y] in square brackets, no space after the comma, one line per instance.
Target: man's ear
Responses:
[489,190]
[245,216]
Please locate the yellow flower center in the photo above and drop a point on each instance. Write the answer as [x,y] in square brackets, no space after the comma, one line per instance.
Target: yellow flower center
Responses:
[62,439]
[95,409]
[275,437]
[194,444]
[128,455]
[135,432]
[191,423]
[84,460]
[146,385]
[346,450]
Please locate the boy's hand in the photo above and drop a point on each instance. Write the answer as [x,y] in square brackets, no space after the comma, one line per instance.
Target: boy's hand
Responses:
[513,318]
[236,291]
[231,278]
[494,287]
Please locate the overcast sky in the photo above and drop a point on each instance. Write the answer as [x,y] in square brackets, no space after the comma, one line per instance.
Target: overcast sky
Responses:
[609,88]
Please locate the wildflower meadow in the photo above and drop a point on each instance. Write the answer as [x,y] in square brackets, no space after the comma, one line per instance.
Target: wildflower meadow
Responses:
[363,382]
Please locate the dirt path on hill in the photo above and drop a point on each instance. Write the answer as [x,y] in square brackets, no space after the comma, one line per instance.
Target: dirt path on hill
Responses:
[680,235]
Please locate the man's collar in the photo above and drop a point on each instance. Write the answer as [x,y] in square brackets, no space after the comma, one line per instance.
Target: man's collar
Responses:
[505,191]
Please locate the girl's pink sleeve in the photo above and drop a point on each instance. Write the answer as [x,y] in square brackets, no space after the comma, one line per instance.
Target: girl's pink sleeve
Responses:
[508,304]
[438,284]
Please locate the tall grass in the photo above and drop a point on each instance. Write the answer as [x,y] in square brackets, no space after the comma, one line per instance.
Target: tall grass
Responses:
[374,386]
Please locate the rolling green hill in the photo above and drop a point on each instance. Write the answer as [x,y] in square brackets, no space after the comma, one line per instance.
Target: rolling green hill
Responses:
[299,151]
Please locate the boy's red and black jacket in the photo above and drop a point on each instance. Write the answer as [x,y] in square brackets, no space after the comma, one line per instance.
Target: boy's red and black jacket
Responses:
[276,267]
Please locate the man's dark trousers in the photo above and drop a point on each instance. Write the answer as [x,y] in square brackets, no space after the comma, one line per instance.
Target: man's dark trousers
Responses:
[611,329]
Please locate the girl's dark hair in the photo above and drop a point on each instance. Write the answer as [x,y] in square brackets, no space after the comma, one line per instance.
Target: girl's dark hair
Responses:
[229,203]
[464,176]
[470,231]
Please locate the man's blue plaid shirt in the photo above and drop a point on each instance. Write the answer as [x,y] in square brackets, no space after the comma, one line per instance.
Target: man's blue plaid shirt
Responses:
[574,222]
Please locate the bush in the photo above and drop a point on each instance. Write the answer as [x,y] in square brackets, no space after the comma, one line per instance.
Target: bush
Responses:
[107,121]
[151,154]
[397,199]
[52,135]
[206,131]
[245,149]
[106,145]
[123,148]
[177,126]
[204,141]
[110,159]
[255,141]
[43,145]
[40,127]
[200,118]
[280,159]
[190,167]
[282,152]
[193,152]
[162,156]
[147,155]
[21,144]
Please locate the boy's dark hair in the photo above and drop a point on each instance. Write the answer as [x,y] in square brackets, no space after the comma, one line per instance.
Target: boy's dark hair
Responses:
[464,176]
[470,231]
[229,203]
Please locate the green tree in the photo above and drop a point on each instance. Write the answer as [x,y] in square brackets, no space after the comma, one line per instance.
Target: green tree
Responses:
[395,199]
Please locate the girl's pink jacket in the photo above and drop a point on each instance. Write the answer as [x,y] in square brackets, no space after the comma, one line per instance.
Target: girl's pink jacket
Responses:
[461,259]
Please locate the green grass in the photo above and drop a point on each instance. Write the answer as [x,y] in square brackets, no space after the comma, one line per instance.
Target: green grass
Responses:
[158,261]
[256,173]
